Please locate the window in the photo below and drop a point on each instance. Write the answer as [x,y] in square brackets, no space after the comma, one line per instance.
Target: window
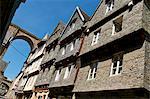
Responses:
[68,71]
[95,38]
[63,50]
[116,67]
[72,25]
[92,71]
[110,5]
[58,74]
[117,25]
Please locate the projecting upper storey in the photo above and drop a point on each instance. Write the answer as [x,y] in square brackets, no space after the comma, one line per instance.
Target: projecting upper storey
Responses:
[52,43]
[115,19]
[70,39]
[49,56]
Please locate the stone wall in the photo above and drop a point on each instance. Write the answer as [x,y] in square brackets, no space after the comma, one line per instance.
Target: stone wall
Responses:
[132,75]
[146,15]
[132,21]
[147,66]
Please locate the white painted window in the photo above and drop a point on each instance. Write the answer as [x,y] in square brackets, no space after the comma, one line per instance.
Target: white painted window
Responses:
[92,71]
[116,67]
[58,73]
[117,25]
[68,71]
[110,5]
[95,38]
[63,50]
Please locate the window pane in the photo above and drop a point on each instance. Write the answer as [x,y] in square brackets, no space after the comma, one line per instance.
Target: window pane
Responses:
[115,64]
[120,69]
[120,64]
[114,71]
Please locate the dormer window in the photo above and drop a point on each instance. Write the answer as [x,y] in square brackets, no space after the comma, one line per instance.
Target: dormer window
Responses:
[95,38]
[58,73]
[63,50]
[92,71]
[116,67]
[117,25]
[72,24]
[110,5]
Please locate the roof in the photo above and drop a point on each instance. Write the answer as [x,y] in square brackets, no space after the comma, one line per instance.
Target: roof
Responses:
[84,17]
[46,37]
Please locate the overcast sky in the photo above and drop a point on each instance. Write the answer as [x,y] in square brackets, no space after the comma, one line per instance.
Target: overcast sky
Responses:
[40,17]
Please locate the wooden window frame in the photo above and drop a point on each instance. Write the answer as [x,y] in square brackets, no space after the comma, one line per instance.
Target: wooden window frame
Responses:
[92,71]
[95,38]
[117,65]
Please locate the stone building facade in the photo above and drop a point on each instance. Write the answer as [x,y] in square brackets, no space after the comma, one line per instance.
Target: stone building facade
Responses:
[114,57]
[66,67]
[47,66]
[24,83]
[105,56]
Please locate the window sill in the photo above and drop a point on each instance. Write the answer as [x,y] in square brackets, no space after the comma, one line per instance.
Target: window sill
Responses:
[115,75]
[90,79]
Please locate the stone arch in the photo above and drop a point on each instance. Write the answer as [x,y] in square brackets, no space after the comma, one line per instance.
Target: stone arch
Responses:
[29,41]
[23,34]
[15,32]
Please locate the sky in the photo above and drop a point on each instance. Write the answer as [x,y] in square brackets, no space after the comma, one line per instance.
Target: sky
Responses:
[40,17]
